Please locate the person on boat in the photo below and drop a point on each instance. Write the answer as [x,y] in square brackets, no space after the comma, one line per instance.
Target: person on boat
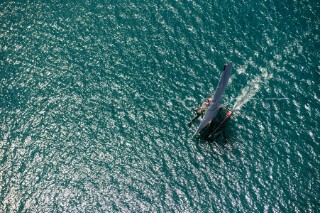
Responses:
[200,111]
[204,107]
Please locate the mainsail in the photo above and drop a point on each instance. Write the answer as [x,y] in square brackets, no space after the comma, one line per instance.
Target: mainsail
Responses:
[216,98]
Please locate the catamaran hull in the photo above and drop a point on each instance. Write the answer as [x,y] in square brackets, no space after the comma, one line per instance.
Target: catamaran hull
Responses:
[193,119]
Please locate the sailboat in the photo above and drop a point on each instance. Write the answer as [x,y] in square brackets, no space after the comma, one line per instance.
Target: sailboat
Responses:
[210,116]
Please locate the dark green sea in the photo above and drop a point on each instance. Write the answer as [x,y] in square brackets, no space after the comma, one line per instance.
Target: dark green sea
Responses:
[95,97]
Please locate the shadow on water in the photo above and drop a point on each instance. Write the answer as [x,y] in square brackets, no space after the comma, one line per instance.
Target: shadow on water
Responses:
[217,136]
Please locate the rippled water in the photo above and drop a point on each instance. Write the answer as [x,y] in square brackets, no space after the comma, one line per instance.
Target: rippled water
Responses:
[95,97]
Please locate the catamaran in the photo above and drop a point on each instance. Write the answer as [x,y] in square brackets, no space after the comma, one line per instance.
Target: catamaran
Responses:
[212,106]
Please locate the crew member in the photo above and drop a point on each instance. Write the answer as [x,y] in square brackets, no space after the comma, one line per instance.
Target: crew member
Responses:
[204,107]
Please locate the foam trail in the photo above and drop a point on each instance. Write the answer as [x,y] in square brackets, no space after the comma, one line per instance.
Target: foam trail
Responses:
[251,90]
[247,93]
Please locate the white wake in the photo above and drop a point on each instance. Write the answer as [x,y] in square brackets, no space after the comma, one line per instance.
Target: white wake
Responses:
[252,88]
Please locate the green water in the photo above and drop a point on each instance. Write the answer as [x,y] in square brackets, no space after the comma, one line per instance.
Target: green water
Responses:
[95,97]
